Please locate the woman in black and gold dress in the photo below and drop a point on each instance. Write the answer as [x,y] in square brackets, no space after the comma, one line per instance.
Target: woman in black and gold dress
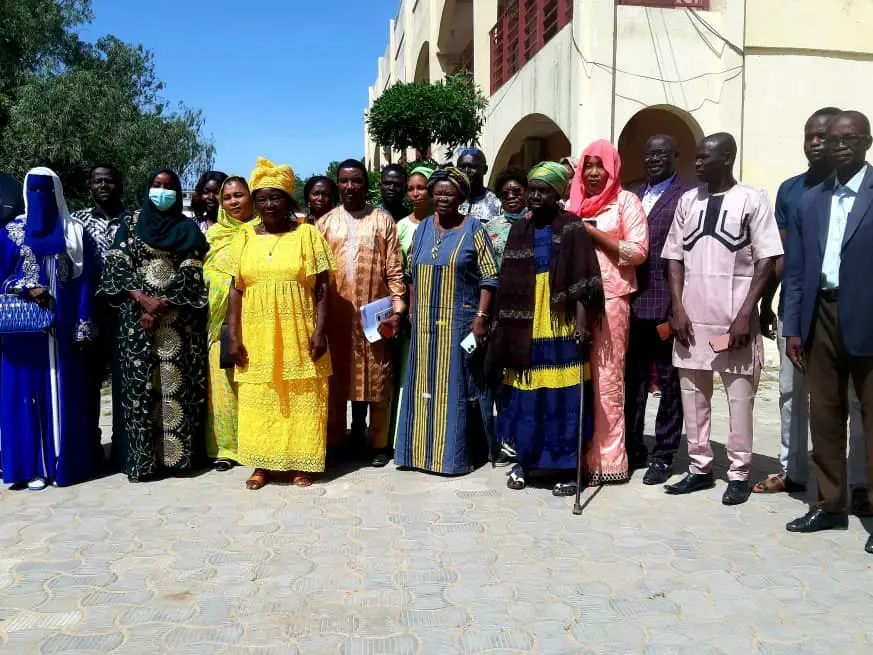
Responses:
[154,275]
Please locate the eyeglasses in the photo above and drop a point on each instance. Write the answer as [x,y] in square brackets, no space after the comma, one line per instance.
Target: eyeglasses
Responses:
[510,192]
[850,140]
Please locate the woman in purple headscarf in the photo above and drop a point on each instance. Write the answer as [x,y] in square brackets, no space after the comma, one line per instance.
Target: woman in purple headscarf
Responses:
[43,423]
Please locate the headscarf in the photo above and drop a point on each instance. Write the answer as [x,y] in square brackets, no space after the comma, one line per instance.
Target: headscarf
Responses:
[169,230]
[223,256]
[472,151]
[589,206]
[570,161]
[48,228]
[552,173]
[453,175]
[267,175]
[424,171]
[11,198]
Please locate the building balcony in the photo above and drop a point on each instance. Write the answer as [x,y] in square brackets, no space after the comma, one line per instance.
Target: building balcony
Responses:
[523,28]
[703,5]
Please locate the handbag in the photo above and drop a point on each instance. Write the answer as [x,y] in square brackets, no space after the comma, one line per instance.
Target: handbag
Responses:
[225,361]
[19,316]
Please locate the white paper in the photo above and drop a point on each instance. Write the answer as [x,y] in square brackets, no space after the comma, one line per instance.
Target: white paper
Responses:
[372,315]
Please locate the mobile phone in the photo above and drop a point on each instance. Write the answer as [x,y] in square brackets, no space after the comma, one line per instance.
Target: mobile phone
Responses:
[591,221]
[720,343]
[469,345]
[664,330]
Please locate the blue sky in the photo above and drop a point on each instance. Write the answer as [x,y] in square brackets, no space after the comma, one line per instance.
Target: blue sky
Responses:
[288,82]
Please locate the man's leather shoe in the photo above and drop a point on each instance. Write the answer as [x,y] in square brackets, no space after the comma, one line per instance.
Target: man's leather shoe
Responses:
[869,547]
[658,473]
[691,483]
[817,519]
[861,503]
[737,492]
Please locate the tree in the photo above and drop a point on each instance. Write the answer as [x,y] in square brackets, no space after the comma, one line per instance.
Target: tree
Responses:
[420,114]
[105,104]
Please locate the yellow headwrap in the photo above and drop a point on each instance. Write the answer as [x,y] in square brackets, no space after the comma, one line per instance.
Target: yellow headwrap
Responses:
[552,173]
[269,176]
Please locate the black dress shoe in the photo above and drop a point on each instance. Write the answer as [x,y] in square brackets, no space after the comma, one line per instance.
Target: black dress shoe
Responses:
[737,492]
[861,503]
[691,483]
[868,548]
[658,473]
[817,519]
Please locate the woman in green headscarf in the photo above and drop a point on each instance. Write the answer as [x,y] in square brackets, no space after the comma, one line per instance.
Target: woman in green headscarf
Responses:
[154,275]
[236,208]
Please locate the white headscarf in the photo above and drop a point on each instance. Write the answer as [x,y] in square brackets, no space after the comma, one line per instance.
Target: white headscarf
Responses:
[72,229]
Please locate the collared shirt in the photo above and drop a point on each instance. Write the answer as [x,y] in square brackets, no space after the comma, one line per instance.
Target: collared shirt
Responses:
[654,192]
[100,230]
[484,208]
[841,206]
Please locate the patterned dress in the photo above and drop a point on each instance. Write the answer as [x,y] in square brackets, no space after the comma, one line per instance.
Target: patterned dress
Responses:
[161,377]
[283,394]
[447,404]
[539,413]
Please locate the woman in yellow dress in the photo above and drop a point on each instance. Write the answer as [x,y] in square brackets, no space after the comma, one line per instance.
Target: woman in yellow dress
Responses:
[277,317]
[236,209]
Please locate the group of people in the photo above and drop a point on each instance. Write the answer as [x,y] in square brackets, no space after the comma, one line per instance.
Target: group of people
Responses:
[521,323]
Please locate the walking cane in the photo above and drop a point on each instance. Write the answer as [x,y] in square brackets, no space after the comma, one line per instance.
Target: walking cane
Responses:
[577,506]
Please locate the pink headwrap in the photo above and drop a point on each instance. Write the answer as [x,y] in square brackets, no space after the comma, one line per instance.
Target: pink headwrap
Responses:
[589,206]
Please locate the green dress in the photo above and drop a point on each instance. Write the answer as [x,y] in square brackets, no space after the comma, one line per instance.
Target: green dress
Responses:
[159,376]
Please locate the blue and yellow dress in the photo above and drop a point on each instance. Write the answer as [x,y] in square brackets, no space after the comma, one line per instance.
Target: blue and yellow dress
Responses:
[447,403]
[538,411]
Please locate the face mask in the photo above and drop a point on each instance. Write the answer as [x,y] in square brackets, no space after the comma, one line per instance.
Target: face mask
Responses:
[163,199]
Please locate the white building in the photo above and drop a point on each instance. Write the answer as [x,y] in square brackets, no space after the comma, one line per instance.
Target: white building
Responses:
[561,73]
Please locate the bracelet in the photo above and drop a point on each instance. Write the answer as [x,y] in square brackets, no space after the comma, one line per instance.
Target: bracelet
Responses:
[481,314]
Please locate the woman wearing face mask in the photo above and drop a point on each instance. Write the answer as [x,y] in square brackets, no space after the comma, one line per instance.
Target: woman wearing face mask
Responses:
[321,195]
[511,188]
[218,269]
[206,199]
[154,275]
[277,319]
[616,222]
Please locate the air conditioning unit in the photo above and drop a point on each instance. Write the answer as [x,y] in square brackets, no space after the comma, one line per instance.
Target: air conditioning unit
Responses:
[531,151]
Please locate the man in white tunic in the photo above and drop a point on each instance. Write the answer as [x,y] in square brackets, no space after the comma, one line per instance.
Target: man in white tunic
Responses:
[722,248]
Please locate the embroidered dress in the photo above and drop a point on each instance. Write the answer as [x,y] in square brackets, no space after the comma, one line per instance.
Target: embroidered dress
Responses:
[447,402]
[43,422]
[539,412]
[498,230]
[160,376]
[283,394]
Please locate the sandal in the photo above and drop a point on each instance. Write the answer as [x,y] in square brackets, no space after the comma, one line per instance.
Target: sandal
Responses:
[257,480]
[778,483]
[223,464]
[564,489]
[302,479]
[516,480]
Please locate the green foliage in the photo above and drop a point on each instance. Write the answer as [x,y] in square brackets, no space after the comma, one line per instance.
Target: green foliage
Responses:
[74,104]
[419,114]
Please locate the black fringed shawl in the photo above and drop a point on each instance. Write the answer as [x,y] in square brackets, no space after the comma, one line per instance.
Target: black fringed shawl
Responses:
[574,276]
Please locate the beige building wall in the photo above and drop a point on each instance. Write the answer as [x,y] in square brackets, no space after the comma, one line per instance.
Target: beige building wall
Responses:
[755,68]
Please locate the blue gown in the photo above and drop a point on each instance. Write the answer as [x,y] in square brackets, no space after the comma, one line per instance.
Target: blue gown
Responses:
[29,444]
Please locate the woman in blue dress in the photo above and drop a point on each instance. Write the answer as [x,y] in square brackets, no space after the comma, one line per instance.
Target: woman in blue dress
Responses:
[446,422]
[43,426]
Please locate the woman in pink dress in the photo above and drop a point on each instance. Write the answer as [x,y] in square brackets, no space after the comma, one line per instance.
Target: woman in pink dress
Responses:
[616,221]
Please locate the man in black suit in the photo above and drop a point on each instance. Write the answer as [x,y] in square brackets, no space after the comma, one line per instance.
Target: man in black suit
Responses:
[829,312]
[649,308]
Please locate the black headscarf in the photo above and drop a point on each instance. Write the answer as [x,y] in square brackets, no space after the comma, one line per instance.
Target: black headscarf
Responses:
[11,198]
[170,230]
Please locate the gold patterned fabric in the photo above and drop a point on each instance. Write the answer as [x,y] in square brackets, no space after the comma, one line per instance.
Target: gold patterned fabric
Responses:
[282,392]
[369,267]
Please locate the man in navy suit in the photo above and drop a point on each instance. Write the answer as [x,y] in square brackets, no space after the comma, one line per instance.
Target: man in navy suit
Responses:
[828,288]
[649,308]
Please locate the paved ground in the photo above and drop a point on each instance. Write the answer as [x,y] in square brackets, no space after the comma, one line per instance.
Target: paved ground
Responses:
[378,562]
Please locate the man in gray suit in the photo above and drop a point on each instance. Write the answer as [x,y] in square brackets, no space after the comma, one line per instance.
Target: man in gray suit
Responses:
[829,311]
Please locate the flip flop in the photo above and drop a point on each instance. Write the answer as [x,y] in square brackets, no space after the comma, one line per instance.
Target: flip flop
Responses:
[302,480]
[257,480]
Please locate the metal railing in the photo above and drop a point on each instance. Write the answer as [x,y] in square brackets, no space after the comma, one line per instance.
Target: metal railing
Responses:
[668,4]
[524,27]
